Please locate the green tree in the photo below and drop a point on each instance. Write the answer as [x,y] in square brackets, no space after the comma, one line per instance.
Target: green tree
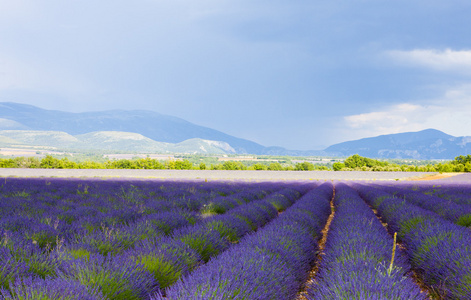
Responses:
[217,167]
[7,163]
[337,166]
[463,159]
[90,165]
[357,161]
[459,168]
[233,165]
[258,167]
[354,161]
[48,162]
[170,164]
[25,162]
[304,166]
[275,167]
[183,165]
[124,164]
[445,168]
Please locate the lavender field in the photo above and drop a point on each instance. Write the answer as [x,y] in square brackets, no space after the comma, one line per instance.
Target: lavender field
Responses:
[64,238]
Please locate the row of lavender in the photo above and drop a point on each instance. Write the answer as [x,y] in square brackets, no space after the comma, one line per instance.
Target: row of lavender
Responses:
[455,189]
[128,260]
[272,263]
[219,256]
[358,261]
[438,249]
[452,208]
[97,210]
[105,219]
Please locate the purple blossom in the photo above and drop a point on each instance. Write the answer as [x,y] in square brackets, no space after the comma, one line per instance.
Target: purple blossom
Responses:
[50,288]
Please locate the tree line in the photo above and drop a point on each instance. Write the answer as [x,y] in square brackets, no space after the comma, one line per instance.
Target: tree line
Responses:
[352,163]
[359,163]
[50,162]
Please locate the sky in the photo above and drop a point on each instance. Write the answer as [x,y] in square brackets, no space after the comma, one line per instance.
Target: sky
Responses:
[300,74]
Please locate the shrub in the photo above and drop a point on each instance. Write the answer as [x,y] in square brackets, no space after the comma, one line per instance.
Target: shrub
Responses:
[337,166]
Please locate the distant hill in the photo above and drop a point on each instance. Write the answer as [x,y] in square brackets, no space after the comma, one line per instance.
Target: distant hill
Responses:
[155,126]
[147,131]
[425,144]
[108,140]
[154,129]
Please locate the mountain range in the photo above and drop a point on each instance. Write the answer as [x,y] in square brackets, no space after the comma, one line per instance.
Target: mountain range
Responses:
[152,125]
[108,141]
[147,131]
[425,144]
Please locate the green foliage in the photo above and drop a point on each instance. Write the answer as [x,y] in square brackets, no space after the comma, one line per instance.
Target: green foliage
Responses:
[224,230]
[410,224]
[163,271]
[275,167]
[304,166]
[181,162]
[201,245]
[213,209]
[20,162]
[183,165]
[446,167]
[41,265]
[7,276]
[80,253]
[460,164]
[464,220]
[357,161]
[49,162]
[90,165]
[203,162]
[307,166]
[42,239]
[233,165]
[463,159]
[338,166]
[115,287]
[217,167]
[258,167]
[147,163]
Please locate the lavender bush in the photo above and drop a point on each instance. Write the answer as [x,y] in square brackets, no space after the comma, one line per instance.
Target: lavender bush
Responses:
[269,264]
[357,257]
[438,249]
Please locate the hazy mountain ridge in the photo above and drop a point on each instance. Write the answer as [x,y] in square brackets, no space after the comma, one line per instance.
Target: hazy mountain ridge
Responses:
[147,131]
[155,126]
[108,140]
[425,144]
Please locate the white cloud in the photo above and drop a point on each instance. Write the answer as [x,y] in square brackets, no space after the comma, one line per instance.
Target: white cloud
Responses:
[446,60]
[450,113]
[395,116]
